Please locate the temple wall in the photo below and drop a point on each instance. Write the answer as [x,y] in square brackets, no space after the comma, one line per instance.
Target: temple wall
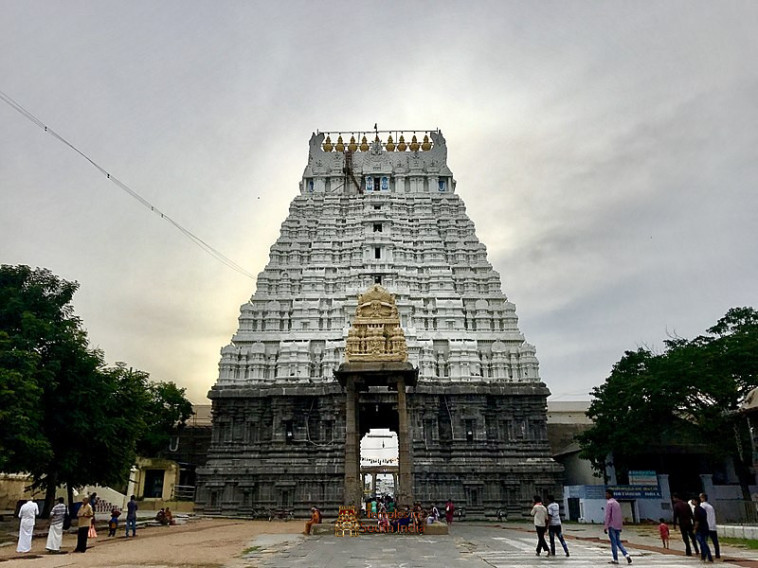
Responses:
[284,448]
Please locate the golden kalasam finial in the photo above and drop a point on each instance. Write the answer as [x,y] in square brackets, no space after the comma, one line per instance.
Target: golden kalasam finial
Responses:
[390,145]
[364,145]
[376,334]
[352,147]
[340,147]
[328,144]
[414,144]
[426,145]
[402,146]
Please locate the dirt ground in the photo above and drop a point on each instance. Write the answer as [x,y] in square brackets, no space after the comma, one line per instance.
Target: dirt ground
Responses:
[203,543]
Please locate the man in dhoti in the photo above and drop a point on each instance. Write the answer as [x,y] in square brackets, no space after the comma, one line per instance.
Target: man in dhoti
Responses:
[28,513]
[55,534]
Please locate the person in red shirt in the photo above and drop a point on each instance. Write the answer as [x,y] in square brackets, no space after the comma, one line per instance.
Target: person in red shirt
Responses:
[663,529]
[449,511]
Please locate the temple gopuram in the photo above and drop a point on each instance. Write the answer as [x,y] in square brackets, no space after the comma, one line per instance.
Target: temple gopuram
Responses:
[378,309]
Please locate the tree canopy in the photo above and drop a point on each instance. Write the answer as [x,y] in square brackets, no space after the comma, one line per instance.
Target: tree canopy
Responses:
[689,393]
[66,417]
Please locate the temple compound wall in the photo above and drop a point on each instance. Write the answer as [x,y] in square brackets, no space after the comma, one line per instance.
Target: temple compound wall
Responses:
[382,213]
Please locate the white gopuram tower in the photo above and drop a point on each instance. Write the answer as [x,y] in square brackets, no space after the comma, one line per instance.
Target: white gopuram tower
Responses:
[385,213]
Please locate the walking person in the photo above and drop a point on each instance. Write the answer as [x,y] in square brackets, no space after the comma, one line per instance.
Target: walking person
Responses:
[684,520]
[710,512]
[28,514]
[539,512]
[613,525]
[663,530]
[701,531]
[554,528]
[131,516]
[55,532]
[84,516]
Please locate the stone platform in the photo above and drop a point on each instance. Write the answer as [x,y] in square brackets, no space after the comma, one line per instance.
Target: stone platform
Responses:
[436,529]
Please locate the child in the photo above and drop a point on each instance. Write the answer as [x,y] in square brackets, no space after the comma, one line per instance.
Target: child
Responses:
[663,528]
[113,523]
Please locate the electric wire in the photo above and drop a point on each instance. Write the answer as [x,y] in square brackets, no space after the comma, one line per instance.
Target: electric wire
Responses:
[215,253]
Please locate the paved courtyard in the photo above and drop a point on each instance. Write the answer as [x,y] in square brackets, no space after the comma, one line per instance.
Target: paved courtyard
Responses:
[228,543]
[469,546]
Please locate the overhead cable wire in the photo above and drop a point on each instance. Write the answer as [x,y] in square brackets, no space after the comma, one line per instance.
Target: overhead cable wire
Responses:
[124,187]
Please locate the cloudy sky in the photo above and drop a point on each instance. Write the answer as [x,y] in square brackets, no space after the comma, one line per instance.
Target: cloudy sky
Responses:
[606,151]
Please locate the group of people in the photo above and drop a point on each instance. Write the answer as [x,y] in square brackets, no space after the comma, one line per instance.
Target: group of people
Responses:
[165,517]
[60,520]
[390,519]
[548,520]
[696,521]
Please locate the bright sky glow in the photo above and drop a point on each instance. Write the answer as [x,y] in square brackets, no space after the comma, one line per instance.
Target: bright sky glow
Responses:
[606,151]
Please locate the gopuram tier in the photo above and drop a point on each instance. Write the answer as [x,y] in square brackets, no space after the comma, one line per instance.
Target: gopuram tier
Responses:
[377,309]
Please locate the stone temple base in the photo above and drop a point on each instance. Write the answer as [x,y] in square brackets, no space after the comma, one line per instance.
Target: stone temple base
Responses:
[283,447]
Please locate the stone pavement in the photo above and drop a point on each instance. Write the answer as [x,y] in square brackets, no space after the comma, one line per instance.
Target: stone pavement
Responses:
[469,546]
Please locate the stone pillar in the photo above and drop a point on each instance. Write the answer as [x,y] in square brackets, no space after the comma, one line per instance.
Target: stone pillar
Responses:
[373,483]
[706,479]
[353,489]
[405,488]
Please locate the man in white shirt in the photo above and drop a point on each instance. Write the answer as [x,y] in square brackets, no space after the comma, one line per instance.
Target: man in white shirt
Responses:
[539,512]
[710,514]
[555,528]
[28,513]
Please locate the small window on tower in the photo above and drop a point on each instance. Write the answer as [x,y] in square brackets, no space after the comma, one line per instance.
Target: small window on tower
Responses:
[377,207]
[377,227]
[289,433]
[470,429]
[377,279]
[377,252]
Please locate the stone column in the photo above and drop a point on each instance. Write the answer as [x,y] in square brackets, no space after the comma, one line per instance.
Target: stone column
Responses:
[353,489]
[373,483]
[405,487]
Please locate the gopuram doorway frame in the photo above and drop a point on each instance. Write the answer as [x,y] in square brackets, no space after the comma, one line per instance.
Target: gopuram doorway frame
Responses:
[356,378]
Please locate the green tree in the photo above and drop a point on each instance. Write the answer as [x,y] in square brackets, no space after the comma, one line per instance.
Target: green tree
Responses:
[690,393]
[64,416]
[165,415]
[35,317]
[20,407]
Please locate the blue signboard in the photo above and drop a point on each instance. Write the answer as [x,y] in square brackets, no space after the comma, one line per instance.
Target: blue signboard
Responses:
[643,477]
[636,491]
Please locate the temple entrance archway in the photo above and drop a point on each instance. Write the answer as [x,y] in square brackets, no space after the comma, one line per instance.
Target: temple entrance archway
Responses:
[375,396]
